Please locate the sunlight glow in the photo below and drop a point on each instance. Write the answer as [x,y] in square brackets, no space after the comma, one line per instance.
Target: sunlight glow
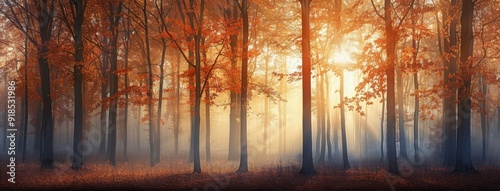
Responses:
[342,57]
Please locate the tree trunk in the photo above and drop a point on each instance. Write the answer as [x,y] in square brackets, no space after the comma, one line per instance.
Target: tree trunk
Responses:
[322,118]
[484,109]
[244,88]
[382,130]
[104,95]
[401,115]
[207,106]
[391,98]
[160,103]
[234,112]
[307,160]
[126,42]
[463,161]
[45,19]
[449,105]
[345,157]
[78,78]
[416,111]
[25,101]
[114,18]
[177,106]
[152,132]
[318,120]
[266,107]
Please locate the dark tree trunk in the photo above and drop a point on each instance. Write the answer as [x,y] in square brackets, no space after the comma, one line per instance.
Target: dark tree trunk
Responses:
[234,112]
[38,143]
[244,88]
[160,103]
[401,115]
[207,105]
[382,130]
[104,95]
[115,11]
[449,105]
[207,123]
[25,101]
[77,158]
[307,160]
[484,109]
[391,98]
[416,111]
[463,161]
[152,133]
[45,19]
[345,157]
[126,42]
[416,118]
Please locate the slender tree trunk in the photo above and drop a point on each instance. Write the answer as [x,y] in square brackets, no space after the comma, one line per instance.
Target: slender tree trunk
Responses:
[318,120]
[322,118]
[207,106]
[382,130]
[152,132]
[484,109]
[104,95]
[177,105]
[416,118]
[345,157]
[160,103]
[463,159]
[416,111]
[401,115]
[391,98]
[139,116]
[25,101]
[244,88]
[266,107]
[115,11]
[126,42]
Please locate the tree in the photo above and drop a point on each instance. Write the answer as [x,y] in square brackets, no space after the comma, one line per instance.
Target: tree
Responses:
[449,104]
[307,161]
[114,16]
[78,8]
[338,19]
[463,159]
[45,17]
[244,88]
[231,15]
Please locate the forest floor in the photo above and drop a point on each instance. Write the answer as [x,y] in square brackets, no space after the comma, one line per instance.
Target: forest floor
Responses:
[177,175]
